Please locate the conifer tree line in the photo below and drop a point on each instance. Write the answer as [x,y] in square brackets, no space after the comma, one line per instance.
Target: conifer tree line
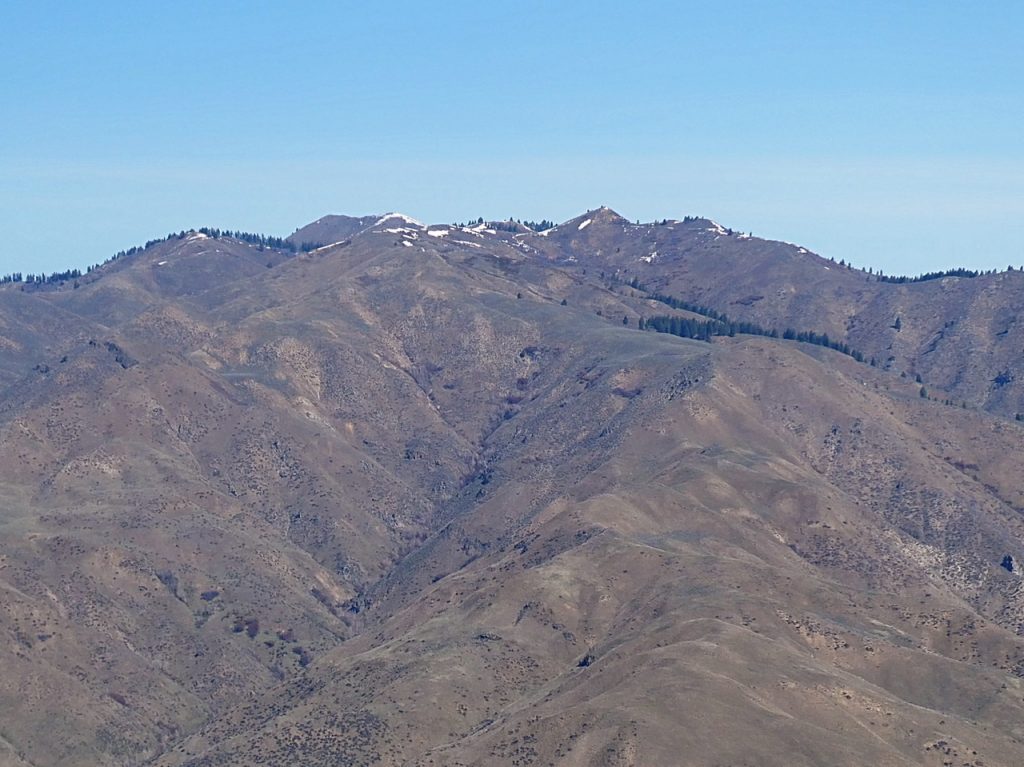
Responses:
[41,279]
[719,324]
[512,224]
[902,279]
[958,272]
[260,240]
[703,330]
[263,240]
[539,226]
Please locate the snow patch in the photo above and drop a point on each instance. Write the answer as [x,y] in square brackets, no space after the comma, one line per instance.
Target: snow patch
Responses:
[407,243]
[650,258]
[401,216]
[160,263]
[326,247]
[717,228]
[585,224]
[438,232]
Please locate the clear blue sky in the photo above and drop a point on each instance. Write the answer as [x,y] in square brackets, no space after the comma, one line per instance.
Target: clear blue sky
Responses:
[887,134]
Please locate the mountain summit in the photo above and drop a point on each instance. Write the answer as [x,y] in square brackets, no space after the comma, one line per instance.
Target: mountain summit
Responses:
[330,229]
[601,217]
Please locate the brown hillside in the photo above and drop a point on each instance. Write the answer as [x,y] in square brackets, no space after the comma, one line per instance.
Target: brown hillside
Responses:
[428,496]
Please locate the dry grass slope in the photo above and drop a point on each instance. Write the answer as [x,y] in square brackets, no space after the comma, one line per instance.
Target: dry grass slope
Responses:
[426,499]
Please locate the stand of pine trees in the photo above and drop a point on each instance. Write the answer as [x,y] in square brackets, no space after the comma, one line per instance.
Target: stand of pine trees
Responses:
[958,272]
[260,240]
[719,324]
[41,279]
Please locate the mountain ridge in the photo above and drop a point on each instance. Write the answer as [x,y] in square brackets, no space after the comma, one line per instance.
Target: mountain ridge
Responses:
[428,495]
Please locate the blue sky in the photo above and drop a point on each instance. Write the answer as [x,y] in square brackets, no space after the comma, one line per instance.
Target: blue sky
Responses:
[886,134]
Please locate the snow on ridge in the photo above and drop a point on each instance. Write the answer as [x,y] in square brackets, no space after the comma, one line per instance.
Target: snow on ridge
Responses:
[325,247]
[479,229]
[717,228]
[403,217]
[585,224]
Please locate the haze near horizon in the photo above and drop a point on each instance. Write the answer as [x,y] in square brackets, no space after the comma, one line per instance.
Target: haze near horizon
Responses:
[886,137]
